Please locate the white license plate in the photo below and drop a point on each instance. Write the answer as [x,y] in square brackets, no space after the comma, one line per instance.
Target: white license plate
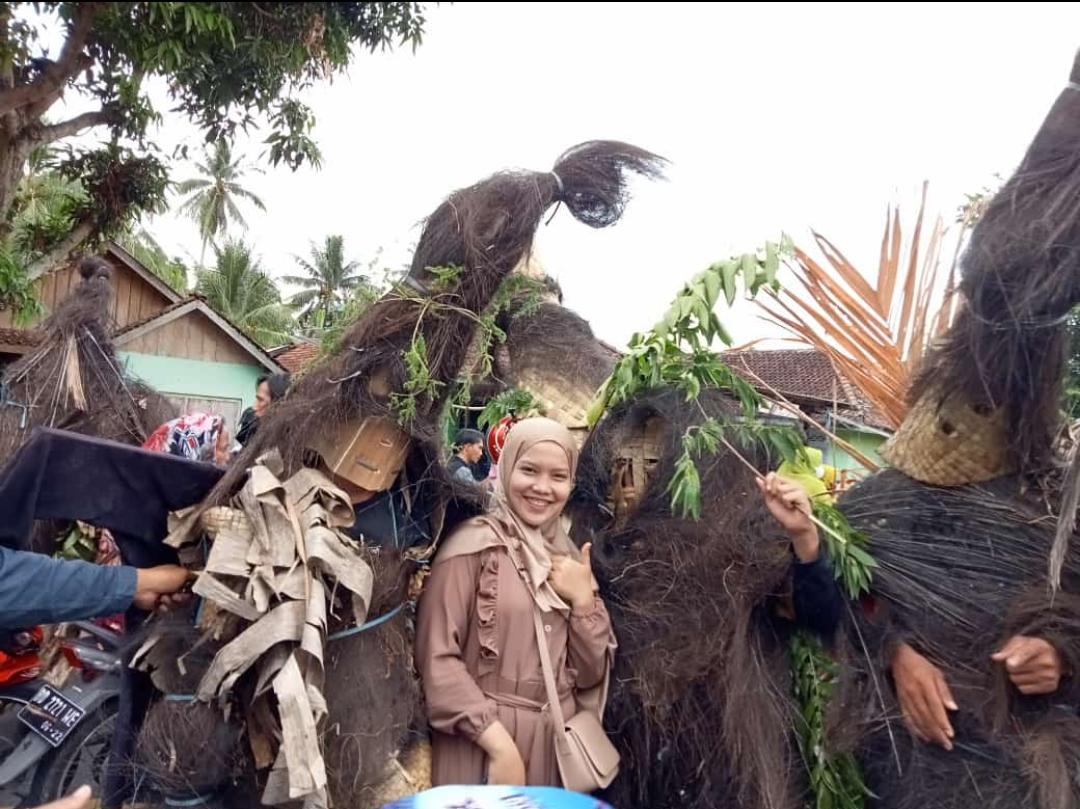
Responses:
[51,715]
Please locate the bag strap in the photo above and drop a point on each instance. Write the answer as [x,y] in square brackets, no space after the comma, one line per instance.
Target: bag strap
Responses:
[554,705]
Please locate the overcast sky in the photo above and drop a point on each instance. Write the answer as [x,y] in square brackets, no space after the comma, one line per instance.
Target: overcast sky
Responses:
[775,117]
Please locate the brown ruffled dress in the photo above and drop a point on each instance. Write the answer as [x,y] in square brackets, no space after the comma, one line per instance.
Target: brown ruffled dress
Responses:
[478,659]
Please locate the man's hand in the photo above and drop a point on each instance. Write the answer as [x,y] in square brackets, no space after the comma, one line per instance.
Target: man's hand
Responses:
[160,586]
[924,696]
[1033,664]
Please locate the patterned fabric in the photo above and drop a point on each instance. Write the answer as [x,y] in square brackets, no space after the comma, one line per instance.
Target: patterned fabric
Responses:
[193,436]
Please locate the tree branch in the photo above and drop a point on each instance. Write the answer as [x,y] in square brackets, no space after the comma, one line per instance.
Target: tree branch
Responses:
[47,134]
[51,259]
[46,88]
[7,63]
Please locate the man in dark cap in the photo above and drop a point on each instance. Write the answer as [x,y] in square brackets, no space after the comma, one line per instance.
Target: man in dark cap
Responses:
[468,452]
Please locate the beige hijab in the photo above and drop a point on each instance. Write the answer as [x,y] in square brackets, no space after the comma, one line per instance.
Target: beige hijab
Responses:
[530,548]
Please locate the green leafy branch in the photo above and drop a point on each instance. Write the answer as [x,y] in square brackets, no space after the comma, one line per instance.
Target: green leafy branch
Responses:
[706,438]
[516,402]
[835,780]
[846,548]
[419,382]
[677,352]
[518,294]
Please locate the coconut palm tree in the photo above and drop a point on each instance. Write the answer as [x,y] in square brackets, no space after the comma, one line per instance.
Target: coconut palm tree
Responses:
[238,288]
[329,282]
[212,198]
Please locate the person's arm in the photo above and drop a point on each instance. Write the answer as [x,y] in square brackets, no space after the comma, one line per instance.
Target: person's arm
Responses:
[818,601]
[455,703]
[590,643]
[1042,651]
[36,589]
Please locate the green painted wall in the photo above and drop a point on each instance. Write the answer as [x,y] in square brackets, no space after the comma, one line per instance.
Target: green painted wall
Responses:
[866,443]
[175,377]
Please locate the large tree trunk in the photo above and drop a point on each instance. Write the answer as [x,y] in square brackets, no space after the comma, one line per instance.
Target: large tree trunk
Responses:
[22,105]
[13,155]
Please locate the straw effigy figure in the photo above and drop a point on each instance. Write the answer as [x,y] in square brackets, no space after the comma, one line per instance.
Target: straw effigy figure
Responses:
[320,527]
[974,638]
[73,380]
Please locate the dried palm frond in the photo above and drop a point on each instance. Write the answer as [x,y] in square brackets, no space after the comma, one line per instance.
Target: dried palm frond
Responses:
[875,335]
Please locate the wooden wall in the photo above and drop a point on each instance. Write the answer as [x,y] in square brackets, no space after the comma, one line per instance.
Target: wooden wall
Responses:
[193,336]
[133,298]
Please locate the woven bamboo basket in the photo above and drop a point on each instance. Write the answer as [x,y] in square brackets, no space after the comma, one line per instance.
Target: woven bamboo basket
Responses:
[947,441]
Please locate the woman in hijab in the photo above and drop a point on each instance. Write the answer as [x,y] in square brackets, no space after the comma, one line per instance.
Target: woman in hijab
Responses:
[476,645]
[196,436]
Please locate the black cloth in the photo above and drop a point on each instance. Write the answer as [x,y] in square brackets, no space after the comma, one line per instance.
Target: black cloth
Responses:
[66,476]
[249,423]
[137,691]
[818,602]
[456,464]
[384,521]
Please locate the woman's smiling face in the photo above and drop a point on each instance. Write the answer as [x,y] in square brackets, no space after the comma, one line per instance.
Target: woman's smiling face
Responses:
[540,484]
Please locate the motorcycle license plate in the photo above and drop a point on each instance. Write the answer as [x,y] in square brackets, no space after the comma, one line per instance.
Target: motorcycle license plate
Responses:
[51,715]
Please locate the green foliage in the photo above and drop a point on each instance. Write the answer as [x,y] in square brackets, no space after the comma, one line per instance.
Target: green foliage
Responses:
[847,549]
[677,352]
[145,249]
[418,383]
[444,277]
[328,286]
[43,213]
[518,295]
[706,438]
[332,335]
[238,288]
[16,290]
[76,545]
[212,197]
[229,67]
[119,187]
[516,402]
[835,780]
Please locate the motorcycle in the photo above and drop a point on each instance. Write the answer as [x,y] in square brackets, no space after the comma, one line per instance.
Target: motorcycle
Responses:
[54,739]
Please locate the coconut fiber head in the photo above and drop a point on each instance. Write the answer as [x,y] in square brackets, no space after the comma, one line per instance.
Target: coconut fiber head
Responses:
[1020,278]
[483,232]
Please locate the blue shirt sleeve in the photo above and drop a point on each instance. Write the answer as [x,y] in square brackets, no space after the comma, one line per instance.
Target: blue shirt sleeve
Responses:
[36,589]
[818,602]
